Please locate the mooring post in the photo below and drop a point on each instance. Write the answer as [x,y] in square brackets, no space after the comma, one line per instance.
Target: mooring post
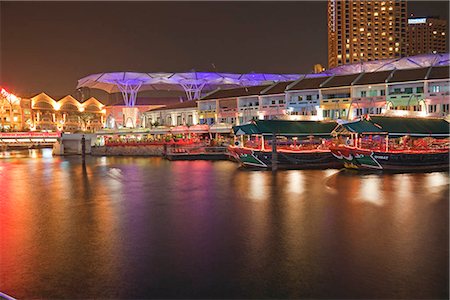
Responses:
[83,147]
[274,152]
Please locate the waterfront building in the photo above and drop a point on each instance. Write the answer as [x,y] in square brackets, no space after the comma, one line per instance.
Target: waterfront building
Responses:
[415,91]
[207,110]
[427,35]
[273,101]
[15,112]
[405,89]
[231,106]
[303,98]
[437,93]
[182,113]
[365,30]
[118,115]
[66,114]
[248,105]
[336,96]
[369,94]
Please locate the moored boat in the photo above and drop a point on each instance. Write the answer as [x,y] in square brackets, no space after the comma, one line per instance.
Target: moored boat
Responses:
[284,144]
[393,144]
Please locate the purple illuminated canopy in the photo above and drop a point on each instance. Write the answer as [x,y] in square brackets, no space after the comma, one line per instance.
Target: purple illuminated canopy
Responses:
[193,83]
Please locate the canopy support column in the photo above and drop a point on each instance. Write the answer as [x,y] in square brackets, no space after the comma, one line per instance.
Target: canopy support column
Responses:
[129,92]
[193,88]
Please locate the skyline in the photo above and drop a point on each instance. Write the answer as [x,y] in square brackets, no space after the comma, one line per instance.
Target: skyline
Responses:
[243,37]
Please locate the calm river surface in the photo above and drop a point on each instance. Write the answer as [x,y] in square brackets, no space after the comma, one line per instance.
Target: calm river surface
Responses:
[149,228]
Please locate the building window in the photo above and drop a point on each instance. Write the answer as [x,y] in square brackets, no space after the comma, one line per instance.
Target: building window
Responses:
[432,108]
[408,90]
[435,88]
[382,92]
[419,89]
[363,94]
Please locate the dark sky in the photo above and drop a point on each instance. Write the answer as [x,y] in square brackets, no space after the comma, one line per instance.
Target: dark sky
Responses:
[48,46]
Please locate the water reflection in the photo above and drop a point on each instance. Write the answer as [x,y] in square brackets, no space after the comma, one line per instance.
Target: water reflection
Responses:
[149,228]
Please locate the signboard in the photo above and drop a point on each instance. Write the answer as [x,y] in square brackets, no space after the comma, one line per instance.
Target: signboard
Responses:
[32,134]
[417,21]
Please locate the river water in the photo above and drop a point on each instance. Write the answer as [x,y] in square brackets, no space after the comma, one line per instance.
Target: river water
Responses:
[122,227]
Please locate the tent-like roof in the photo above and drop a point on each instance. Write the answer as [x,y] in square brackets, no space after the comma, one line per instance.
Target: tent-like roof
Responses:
[174,81]
[398,126]
[410,62]
[283,127]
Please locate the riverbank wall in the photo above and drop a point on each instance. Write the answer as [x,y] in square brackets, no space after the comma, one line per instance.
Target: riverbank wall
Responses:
[154,150]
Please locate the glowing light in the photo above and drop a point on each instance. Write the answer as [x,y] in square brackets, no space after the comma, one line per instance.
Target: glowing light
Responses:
[370,190]
[296,182]
[258,187]
[81,109]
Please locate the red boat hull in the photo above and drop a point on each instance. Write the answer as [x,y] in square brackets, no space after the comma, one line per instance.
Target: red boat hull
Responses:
[365,159]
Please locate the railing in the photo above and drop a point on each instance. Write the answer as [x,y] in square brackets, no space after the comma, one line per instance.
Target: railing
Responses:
[251,108]
[335,100]
[419,96]
[370,98]
[272,106]
[427,145]
[441,94]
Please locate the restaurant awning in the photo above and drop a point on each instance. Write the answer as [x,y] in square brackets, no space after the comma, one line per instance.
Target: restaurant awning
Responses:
[397,126]
[199,128]
[180,129]
[159,130]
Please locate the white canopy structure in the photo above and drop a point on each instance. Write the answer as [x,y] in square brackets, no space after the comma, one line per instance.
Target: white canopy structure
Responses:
[410,62]
[192,83]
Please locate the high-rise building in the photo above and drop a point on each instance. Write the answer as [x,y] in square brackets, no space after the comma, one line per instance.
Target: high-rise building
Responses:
[426,35]
[366,30]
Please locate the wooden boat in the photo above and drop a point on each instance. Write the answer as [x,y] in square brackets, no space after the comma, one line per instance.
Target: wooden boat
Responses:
[282,144]
[393,144]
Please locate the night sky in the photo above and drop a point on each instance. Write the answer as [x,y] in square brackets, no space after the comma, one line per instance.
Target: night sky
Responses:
[48,46]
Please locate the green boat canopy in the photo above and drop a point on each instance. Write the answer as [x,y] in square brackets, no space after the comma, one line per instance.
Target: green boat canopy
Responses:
[397,126]
[287,128]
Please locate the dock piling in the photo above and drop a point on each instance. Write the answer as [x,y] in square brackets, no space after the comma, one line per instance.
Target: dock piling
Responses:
[274,153]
